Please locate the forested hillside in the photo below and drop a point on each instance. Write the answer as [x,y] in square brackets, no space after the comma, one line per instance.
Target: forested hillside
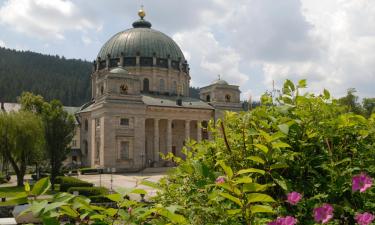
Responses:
[53,77]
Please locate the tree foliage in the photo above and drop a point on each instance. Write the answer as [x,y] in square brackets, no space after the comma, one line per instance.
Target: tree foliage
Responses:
[58,129]
[21,140]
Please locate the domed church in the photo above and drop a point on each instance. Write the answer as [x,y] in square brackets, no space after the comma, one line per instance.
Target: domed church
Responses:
[140,103]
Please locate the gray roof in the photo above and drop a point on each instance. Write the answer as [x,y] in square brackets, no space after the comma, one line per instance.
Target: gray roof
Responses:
[146,41]
[171,101]
[9,107]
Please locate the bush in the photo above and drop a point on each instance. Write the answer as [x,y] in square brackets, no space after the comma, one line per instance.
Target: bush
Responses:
[91,171]
[68,182]
[100,199]
[89,191]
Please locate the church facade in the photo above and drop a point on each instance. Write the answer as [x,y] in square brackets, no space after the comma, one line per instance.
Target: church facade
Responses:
[140,103]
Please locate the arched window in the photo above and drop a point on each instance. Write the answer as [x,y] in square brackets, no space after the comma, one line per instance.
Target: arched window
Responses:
[86,125]
[162,85]
[174,87]
[146,85]
[85,147]
[227,98]
[208,98]
[102,90]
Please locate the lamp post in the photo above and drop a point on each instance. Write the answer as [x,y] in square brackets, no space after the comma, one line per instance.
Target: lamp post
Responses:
[113,170]
[142,163]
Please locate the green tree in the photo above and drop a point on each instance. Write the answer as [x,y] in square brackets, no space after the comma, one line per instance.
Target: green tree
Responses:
[368,105]
[58,129]
[351,102]
[21,140]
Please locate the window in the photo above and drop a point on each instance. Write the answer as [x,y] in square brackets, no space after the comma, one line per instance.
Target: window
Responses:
[162,85]
[97,152]
[227,98]
[208,98]
[74,143]
[174,87]
[146,85]
[102,90]
[124,122]
[97,122]
[86,125]
[86,147]
[124,150]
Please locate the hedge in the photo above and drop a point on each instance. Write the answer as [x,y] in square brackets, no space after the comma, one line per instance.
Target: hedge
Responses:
[91,170]
[68,182]
[100,199]
[89,191]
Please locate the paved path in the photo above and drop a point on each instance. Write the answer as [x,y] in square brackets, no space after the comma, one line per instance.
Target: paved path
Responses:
[123,180]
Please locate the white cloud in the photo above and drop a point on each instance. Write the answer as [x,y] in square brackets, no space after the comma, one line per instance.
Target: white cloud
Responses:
[209,58]
[44,19]
[2,43]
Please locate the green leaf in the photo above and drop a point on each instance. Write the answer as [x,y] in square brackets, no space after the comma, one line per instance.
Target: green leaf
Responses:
[280,145]
[243,180]
[302,83]
[231,197]
[281,182]
[262,147]
[230,188]
[173,217]
[38,207]
[278,166]
[228,171]
[27,187]
[41,186]
[67,210]
[53,206]
[256,159]
[326,94]
[115,197]
[233,211]
[261,209]
[284,128]
[150,184]
[257,197]
[138,191]
[254,187]
[251,170]
[50,221]
[123,191]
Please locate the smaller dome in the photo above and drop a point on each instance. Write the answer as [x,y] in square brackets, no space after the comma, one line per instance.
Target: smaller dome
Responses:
[119,70]
[219,81]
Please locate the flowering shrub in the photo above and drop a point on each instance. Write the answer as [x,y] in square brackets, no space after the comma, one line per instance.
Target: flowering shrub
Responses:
[323,214]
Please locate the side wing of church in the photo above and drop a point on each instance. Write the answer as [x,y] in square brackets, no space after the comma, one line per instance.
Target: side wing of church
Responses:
[140,103]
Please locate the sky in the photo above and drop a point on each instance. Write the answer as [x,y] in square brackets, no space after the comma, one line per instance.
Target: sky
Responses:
[250,43]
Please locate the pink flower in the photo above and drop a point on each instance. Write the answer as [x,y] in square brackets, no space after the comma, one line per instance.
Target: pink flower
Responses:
[323,214]
[220,180]
[294,197]
[361,182]
[364,218]
[289,220]
[130,210]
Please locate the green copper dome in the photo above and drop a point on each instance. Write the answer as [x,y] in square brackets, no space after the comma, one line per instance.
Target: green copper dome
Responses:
[141,40]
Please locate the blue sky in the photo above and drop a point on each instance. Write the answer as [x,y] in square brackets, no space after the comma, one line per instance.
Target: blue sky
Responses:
[248,42]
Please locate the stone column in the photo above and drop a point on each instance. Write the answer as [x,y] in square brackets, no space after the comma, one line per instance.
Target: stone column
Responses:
[93,143]
[169,135]
[102,141]
[156,140]
[187,130]
[199,130]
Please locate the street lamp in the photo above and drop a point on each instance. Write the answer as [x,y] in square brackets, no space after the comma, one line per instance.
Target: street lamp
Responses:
[113,170]
[142,163]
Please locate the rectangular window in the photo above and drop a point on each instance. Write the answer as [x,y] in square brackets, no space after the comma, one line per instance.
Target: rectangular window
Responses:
[124,150]
[124,122]
[74,143]
[97,122]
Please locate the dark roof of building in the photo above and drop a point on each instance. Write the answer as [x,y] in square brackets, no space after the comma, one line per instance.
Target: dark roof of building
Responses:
[171,101]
